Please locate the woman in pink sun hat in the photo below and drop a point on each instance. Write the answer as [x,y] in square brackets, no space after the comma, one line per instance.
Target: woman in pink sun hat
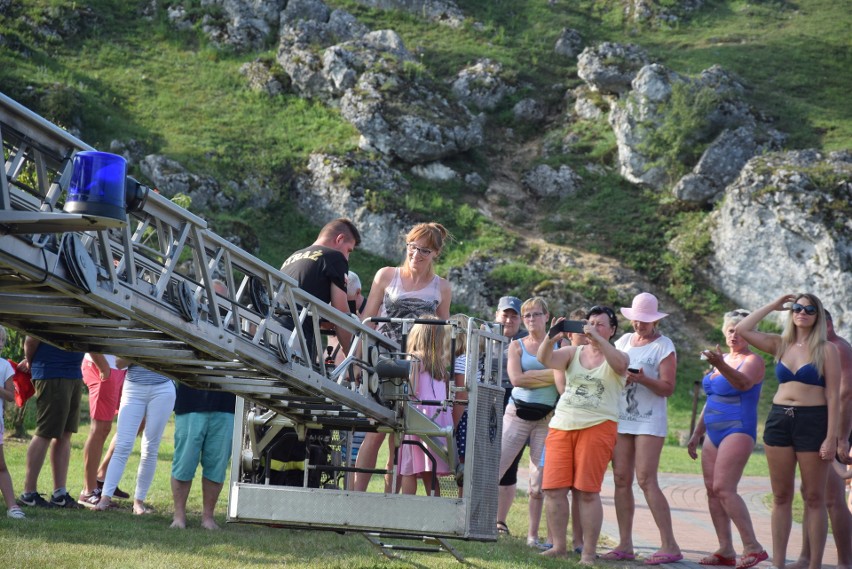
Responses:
[642,428]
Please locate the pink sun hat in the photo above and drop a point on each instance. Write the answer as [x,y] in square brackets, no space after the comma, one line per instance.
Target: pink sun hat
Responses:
[644,309]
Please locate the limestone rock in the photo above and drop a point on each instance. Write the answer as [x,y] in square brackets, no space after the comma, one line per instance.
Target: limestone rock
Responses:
[369,192]
[610,67]
[545,181]
[482,85]
[569,44]
[262,77]
[719,166]
[241,24]
[171,178]
[441,11]
[409,120]
[785,225]
[435,172]
[529,111]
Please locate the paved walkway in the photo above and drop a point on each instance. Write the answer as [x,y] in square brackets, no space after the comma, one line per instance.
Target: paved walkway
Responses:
[691,518]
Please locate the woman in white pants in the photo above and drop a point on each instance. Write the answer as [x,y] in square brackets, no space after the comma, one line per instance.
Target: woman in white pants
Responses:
[146,395]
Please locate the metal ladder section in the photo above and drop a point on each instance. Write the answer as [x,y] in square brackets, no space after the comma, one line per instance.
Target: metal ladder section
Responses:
[146,290]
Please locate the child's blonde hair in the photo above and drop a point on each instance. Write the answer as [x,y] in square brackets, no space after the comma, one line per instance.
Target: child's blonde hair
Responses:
[426,342]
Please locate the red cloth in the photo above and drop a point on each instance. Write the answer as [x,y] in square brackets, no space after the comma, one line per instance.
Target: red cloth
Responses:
[23,385]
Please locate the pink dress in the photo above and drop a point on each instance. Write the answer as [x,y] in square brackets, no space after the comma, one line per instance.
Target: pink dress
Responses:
[412,459]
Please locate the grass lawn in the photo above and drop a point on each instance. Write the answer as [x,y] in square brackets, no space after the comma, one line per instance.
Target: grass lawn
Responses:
[83,538]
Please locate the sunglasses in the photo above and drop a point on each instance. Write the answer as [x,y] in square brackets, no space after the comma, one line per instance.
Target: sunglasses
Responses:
[734,313]
[810,310]
[613,320]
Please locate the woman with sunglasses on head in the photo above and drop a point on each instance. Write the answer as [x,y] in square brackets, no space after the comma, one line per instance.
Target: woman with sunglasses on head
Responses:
[408,291]
[582,432]
[530,407]
[803,427]
[643,427]
[729,419]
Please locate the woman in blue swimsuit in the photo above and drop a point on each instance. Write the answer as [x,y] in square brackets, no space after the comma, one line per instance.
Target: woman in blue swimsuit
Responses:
[729,420]
[803,427]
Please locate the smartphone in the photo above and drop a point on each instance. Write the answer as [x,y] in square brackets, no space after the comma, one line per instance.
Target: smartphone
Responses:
[568,326]
[633,369]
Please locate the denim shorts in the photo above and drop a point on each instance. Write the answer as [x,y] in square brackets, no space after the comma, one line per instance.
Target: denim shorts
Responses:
[803,428]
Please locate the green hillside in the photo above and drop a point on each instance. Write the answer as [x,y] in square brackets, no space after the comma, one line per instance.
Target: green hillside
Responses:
[108,70]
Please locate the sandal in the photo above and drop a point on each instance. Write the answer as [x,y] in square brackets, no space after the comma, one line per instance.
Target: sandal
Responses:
[752,559]
[503,529]
[719,560]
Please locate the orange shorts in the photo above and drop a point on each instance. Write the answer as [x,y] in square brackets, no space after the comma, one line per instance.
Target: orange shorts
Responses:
[578,459]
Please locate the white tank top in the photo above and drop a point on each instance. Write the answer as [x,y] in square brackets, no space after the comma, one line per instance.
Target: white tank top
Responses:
[400,303]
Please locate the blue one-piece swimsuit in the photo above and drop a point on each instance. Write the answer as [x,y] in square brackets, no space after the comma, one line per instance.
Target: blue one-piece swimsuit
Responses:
[729,410]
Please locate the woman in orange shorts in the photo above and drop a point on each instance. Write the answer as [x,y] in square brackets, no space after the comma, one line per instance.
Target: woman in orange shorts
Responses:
[583,430]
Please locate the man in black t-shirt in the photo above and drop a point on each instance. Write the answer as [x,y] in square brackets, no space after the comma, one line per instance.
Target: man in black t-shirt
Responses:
[321,269]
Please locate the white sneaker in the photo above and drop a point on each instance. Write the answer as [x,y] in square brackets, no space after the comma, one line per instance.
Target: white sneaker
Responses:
[15,513]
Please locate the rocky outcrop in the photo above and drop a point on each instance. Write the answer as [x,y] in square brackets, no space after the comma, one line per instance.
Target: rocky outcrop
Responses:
[379,86]
[785,226]
[327,72]
[545,181]
[483,85]
[659,13]
[408,120]
[610,67]
[731,130]
[630,118]
[239,24]
[569,44]
[171,178]
[529,111]
[265,77]
[470,285]
[369,192]
[719,166]
[441,11]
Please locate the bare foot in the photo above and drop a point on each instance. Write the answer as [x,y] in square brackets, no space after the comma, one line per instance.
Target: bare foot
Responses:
[178,524]
[552,552]
[209,524]
[140,509]
[103,503]
[799,564]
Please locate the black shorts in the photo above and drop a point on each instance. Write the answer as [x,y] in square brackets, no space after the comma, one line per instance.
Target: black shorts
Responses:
[803,428]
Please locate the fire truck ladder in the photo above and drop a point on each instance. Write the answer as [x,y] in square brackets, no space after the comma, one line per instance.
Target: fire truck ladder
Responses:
[160,288]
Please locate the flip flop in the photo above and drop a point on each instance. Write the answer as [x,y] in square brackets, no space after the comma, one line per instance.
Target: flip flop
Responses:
[616,555]
[503,529]
[752,559]
[716,559]
[660,558]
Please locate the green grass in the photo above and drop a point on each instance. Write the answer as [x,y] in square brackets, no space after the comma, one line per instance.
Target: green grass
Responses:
[83,538]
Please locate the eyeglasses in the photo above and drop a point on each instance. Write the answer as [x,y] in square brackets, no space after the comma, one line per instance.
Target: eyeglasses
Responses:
[415,249]
[531,315]
[734,313]
[810,309]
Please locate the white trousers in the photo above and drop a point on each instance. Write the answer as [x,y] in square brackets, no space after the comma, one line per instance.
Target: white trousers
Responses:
[154,403]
